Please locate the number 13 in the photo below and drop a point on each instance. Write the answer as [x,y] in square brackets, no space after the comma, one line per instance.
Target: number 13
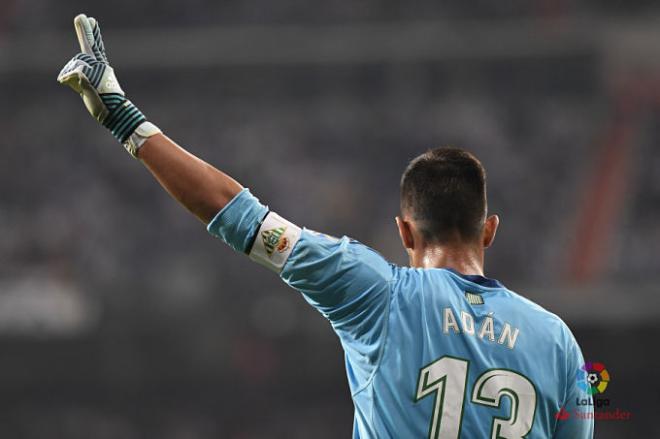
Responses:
[447,379]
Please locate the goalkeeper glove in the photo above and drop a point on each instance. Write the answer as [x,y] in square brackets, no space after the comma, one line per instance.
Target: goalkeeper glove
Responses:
[90,74]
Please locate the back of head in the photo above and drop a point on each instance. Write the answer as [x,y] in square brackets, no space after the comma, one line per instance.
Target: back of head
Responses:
[444,192]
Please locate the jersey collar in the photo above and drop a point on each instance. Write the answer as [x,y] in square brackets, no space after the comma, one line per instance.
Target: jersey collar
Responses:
[478,279]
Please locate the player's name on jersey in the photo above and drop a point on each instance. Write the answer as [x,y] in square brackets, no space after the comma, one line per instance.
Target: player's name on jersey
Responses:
[484,330]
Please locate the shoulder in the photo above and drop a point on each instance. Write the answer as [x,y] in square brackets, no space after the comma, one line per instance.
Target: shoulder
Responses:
[547,321]
[337,257]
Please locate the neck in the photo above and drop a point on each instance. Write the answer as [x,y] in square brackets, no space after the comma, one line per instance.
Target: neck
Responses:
[464,259]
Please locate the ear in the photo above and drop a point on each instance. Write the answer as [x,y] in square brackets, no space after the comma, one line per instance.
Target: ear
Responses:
[405,232]
[490,229]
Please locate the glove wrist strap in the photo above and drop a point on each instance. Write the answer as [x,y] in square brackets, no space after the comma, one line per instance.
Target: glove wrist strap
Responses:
[139,136]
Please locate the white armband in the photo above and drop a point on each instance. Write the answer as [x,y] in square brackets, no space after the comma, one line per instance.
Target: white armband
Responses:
[274,242]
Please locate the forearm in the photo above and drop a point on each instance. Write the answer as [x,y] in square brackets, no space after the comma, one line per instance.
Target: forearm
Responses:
[201,188]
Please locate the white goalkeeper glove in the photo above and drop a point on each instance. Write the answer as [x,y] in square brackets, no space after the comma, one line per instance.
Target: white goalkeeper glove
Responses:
[89,74]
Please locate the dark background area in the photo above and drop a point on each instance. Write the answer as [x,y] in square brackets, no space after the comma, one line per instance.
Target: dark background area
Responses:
[120,317]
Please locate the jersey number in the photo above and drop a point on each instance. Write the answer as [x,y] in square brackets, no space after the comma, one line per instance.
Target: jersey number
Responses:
[446,378]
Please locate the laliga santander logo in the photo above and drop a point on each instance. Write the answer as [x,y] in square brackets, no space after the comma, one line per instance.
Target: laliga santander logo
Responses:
[593,378]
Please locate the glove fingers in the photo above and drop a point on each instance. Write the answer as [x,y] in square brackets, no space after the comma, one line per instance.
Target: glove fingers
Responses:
[73,79]
[97,44]
[83,64]
[85,34]
[72,66]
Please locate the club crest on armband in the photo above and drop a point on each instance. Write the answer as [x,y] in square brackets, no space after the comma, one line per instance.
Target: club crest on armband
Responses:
[275,240]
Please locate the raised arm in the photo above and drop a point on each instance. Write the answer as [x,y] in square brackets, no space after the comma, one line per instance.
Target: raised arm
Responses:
[346,281]
[200,187]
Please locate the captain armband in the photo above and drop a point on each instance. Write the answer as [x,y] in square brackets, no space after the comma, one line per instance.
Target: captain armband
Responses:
[274,242]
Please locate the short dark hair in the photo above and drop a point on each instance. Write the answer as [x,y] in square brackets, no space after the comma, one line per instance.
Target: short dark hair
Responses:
[444,191]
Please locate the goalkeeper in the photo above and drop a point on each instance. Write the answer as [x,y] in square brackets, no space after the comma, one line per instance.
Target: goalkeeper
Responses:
[436,350]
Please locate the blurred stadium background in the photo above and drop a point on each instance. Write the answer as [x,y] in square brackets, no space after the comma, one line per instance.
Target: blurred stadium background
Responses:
[121,318]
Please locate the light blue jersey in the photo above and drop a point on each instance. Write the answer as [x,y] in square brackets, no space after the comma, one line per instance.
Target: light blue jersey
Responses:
[429,352]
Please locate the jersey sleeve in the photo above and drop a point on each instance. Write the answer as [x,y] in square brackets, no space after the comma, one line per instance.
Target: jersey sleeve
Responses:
[572,426]
[237,223]
[349,283]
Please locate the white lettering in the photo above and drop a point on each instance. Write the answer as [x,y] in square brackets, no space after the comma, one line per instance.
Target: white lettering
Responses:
[468,323]
[487,328]
[450,322]
[509,336]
